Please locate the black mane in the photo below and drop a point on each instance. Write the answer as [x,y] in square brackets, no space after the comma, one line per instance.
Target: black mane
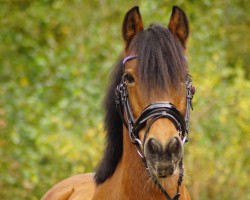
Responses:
[113,127]
[161,65]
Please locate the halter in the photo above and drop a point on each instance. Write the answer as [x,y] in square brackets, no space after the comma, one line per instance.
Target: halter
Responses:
[153,112]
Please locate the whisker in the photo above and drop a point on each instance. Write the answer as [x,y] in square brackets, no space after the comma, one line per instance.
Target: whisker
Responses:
[148,184]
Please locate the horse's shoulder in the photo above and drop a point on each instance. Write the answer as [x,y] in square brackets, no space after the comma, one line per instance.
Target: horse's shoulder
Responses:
[81,186]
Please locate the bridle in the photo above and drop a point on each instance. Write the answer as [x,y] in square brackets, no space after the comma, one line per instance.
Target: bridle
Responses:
[153,112]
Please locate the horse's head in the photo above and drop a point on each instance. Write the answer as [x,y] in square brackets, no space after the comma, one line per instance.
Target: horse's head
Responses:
[153,92]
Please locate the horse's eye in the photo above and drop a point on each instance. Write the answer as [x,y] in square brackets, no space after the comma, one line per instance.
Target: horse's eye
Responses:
[129,78]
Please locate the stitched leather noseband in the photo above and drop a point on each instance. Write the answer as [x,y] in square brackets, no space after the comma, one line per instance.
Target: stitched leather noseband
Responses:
[150,114]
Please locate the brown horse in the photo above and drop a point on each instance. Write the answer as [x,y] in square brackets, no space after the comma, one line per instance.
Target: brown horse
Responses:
[147,111]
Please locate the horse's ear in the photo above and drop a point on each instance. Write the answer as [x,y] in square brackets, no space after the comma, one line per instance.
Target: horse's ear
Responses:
[178,25]
[132,24]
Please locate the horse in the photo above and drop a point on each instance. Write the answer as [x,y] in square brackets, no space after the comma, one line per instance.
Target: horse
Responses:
[147,108]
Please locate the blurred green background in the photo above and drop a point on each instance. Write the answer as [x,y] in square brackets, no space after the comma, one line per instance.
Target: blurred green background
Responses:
[55,57]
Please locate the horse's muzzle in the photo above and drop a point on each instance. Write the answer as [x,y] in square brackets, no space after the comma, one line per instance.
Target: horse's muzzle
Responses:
[163,161]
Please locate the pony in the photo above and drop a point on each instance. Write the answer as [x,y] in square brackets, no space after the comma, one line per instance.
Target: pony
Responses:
[147,108]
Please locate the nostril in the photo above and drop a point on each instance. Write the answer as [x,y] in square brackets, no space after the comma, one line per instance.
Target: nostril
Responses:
[153,146]
[175,147]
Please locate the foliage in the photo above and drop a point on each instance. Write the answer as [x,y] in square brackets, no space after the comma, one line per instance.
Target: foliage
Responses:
[55,58]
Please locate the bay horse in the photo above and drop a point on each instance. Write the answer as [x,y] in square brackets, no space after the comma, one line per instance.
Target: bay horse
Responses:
[147,112]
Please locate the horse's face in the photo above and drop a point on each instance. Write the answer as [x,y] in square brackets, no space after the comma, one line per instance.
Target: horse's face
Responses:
[162,146]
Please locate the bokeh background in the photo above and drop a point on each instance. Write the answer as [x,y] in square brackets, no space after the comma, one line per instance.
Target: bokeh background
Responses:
[55,58]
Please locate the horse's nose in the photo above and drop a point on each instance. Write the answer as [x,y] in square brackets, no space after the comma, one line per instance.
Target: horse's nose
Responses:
[154,148]
[172,151]
[164,159]
[175,149]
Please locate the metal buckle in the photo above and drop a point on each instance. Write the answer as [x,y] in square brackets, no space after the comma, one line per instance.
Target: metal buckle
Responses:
[139,148]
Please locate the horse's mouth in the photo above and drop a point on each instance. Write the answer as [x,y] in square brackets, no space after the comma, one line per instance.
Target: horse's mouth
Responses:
[163,172]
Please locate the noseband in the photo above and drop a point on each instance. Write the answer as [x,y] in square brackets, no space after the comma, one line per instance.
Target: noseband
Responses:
[150,114]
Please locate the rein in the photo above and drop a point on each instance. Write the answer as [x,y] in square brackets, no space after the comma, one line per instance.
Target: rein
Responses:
[153,112]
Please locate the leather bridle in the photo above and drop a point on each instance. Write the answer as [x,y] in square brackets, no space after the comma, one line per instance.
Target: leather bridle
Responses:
[148,116]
